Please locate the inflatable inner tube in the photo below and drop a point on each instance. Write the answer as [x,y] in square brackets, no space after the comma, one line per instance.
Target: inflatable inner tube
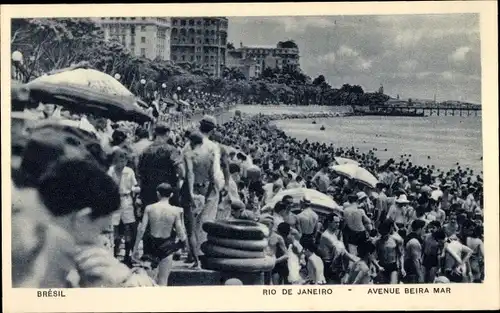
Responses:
[240,265]
[213,251]
[236,229]
[250,245]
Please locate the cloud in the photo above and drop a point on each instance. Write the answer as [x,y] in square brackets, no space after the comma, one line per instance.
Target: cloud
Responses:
[328,58]
[415,55]
[460,54]
[408,65]
[301,24]
[347,51]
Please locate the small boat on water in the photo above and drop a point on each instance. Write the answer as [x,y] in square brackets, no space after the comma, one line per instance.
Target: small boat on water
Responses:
[322,127]
[314,122]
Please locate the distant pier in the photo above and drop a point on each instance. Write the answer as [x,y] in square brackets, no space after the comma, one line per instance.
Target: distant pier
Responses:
[429,110]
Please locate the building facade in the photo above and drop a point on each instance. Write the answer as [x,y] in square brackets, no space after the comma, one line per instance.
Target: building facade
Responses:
[283,55]
[148,37]
[250,67]
[201,41]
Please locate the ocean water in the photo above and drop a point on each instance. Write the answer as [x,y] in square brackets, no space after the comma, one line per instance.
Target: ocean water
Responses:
[442,141]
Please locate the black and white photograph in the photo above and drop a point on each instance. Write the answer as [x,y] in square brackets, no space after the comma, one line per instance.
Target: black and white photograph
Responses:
[169,151]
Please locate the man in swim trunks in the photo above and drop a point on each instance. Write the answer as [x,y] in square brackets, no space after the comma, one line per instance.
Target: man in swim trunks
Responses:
[166,223]
[356,225]
[432,249]
[276,248]
[413,253]
[390,253]
[307,220]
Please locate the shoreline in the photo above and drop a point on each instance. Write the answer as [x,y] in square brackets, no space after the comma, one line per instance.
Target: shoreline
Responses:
[381,153]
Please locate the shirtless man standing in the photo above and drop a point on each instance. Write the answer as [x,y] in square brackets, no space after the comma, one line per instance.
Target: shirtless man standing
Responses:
[276,248]
[332,250]
[390,253]
[356,225]
[202,159]
[166,223]
[413,263]
[307,220]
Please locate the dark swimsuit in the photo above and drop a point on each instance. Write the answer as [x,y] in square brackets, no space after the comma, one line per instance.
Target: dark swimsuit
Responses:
[157,249]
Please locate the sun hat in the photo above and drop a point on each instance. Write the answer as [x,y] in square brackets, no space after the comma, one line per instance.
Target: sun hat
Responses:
[361,195]
[402,199]
[425,189]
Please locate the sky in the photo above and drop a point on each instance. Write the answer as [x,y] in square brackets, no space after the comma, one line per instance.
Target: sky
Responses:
[415,56]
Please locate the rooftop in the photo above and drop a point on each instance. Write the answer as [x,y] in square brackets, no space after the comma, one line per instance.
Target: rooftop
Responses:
[259,47]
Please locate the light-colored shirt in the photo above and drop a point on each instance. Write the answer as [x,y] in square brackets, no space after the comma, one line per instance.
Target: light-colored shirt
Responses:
[127,181]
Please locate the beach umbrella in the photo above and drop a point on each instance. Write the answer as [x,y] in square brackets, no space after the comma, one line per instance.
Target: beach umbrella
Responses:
[340,161]
[319,201]
[357,173]
[86,90]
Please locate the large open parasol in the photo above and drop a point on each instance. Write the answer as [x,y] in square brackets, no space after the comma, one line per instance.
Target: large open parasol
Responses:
[357,173]
[87,90]
[319,201]
[340,161]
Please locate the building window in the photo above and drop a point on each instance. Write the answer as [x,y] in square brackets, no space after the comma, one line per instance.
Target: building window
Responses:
[183,22]
[191,22]
[192,58]
[143,28]
[175,58]
[198,23]
[143,52]
[143,39]
[183,57]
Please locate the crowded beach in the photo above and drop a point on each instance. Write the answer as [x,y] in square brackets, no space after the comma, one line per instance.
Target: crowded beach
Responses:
[125,200]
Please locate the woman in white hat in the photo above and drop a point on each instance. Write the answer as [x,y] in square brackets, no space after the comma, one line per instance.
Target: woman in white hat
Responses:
[397,212]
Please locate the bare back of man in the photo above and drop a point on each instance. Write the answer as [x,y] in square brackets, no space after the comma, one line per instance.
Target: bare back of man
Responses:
[201,161]
[166,236]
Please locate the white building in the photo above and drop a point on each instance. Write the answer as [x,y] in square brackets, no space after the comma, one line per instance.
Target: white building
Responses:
[148,37]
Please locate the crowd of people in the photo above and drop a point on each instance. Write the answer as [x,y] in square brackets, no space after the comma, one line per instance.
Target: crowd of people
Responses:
[121,206]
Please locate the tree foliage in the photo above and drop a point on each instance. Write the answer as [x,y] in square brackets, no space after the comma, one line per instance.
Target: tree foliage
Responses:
[49,44]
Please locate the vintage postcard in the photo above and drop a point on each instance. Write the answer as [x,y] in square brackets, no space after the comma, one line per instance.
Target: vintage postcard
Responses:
[250,157]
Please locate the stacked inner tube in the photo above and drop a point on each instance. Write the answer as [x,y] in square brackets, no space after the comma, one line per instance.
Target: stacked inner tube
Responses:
[236,246]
